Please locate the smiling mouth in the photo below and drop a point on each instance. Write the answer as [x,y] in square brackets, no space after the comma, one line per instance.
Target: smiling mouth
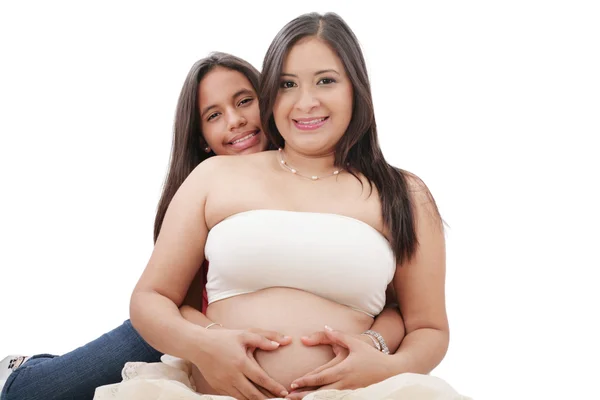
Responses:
[245,138]
[310,122]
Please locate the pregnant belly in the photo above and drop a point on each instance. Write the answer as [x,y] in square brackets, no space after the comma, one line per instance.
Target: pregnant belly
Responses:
[293,313]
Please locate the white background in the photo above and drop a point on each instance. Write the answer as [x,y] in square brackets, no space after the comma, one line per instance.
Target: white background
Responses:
[494,104]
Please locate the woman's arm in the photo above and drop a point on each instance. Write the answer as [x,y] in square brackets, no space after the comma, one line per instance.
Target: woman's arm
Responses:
[420,288]
[390,326]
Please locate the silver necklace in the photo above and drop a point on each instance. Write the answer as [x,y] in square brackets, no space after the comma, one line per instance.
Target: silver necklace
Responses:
[294,171]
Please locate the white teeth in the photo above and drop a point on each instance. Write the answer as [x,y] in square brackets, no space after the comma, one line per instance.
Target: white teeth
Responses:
[244,138]
[312,122]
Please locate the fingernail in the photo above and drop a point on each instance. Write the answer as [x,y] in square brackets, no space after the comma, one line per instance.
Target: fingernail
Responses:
[328,328]
[287,337]
[274,343]
[294,386]
[283,393]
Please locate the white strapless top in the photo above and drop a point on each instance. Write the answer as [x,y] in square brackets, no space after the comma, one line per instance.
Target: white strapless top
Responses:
[330,255]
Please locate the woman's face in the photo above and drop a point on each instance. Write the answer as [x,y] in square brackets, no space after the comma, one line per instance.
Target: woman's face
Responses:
[228,108]
[314,105]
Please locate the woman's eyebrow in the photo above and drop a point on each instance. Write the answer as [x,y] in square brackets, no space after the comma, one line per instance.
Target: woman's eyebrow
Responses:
[319,72]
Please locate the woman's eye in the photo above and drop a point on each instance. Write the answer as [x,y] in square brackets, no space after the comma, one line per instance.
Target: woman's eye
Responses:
[212,116]
[287,84]
[326,81]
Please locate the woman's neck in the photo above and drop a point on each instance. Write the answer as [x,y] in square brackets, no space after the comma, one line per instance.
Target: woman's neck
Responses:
[318,165]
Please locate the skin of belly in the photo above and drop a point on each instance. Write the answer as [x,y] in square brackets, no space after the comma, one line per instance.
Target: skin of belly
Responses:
[293,313]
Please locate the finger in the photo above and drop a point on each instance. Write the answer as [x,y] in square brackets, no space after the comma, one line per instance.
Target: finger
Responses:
[257,366]
[250,354]
[272,335]
[248,390]
[335,361]
[339,350]
[236,394]
[339,385]
[326,377]
[259,342]
[315,339]
[257,375]
[299,395]
[341,338]
[264,391]
[268,394]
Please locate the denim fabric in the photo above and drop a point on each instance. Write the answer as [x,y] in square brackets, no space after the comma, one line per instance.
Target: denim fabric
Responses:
[77,374]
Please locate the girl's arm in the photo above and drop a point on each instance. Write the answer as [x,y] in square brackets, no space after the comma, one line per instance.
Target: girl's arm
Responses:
[175,261]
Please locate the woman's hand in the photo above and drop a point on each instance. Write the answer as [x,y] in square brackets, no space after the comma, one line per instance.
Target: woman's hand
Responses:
[229,367]
[357,364]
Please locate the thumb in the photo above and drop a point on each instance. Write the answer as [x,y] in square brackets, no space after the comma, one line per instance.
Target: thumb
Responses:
[338,350]
[315,339]
[274,336]
[259,342]
[340,338]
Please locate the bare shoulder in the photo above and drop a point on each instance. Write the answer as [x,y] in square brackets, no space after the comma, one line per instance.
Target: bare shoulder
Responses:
[249,166]
[212,165]
[220,175]
[215,168]
[421,197]
[230,163]
[203,178]
[257,160]
[414,182]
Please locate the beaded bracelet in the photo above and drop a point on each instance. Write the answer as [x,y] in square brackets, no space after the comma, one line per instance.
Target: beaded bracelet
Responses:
[382,345]
[375,341]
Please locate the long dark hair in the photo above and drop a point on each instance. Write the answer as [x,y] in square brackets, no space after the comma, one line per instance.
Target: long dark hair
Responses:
[359,147]
[187,150]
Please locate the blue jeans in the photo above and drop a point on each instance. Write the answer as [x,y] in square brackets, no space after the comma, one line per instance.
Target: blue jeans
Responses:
[77,374]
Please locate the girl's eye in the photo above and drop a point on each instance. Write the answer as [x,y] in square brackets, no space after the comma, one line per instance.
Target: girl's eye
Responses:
[212,116]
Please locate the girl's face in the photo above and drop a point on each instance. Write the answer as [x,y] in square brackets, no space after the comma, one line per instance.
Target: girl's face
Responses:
[229,112]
